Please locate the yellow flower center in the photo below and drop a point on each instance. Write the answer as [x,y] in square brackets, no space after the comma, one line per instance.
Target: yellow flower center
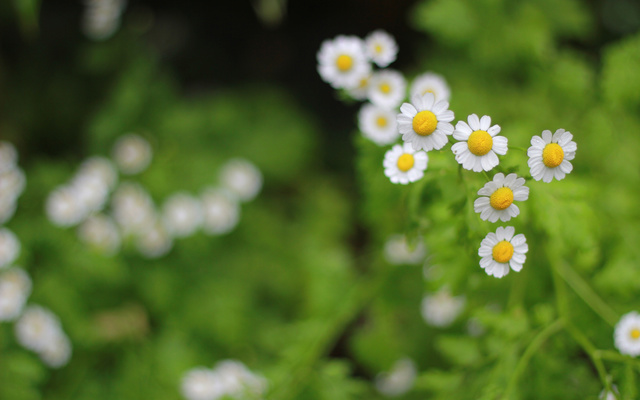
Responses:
[344,62]
[635,333]
[381,122]
[385,88]
[428,91]
[480,142]
[552,155]
[378,48]
[424,123]
[503,251]
[501,198]
[405,162]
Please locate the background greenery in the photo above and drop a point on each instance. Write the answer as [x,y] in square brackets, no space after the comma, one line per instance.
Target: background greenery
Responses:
[300,290]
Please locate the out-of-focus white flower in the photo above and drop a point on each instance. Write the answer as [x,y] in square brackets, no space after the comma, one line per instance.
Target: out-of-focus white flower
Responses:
[202,384]
[154,241]
[241,178]
[378,124]
[398,251]
[182,214]
[37,328]
[91,193]
[607,395]
[64,208]
[132,154]
[102,18]
[387,88]
[228,378]
[15,288]
[221,211]
[342,62]
[627,334]
[100,168]
[361,91]
[381,48]
[441,309]
[57,352]
[132,208]
[100,232]
[8,156]
[399,380]
[12,182]
[430,83]
[7,209]
[9,247]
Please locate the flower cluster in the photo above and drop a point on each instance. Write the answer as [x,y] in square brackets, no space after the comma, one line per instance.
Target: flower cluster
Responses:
[36,328]
[107,213]
[425,124]
[228,378]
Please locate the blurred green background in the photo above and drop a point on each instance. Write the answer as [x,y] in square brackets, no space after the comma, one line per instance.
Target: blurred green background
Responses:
[300,291]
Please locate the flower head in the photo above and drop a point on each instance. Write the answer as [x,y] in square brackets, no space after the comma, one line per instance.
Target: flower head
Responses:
[378,124]
[441,309]
[9,247]
[398,251]
[425,123]
[549,155]
[39,330]
[479,143]
[241,178]
[627,334]
[15,288]
[501,250]
[342,62]
[132,154]
[381,48]
[101,233]
[398,380]
[497,197]
[182,214]
[402,164]
[221,211]
[430,83]
[387,88]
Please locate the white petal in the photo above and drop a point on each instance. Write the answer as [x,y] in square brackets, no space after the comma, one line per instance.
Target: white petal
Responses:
[485,122]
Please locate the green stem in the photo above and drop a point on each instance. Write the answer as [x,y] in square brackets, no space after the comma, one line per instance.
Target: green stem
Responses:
[487,176]
[582,288]
[533,347]
[522,149]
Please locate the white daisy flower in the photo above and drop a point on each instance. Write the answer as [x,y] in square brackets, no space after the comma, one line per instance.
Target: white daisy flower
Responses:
[8,156]
[37,328]
[430,82]
[342,62]
[182,214]
[381,48]
[12,183]
[132,154]
[497,197]
[201,384]
[361,91]
[91,193]
[627,334]
[57,351]
[238,380]
[479,146]
[399,380]
[15,288]
[501,250]
[64,208]
[387,88]
[221,211]
[402,164]
[441,309]
[132,208]
[549,155]
[398,251]
[9,247]
[154,241]
[100,232]
[241,178]
[101,18]
[378,124]
[100,168]
[425,123]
